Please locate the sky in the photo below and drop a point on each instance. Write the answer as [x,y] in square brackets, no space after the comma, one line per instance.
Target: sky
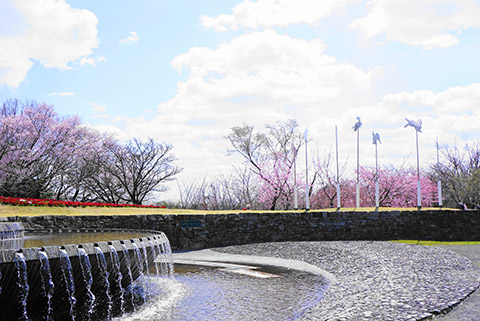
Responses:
[186,71]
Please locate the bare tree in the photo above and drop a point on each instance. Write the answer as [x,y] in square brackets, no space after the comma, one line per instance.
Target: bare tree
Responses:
[460,175]
[139,168]
[226,192]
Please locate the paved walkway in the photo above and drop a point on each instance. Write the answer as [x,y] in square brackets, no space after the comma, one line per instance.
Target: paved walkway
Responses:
[469,309]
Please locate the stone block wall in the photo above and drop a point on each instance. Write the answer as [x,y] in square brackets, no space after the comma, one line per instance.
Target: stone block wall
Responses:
[213,230]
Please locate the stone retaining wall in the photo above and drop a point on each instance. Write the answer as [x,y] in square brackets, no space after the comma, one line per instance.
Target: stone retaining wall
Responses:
[213,230]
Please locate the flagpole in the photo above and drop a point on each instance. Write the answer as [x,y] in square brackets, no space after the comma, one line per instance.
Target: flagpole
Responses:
[439,183]
[295,192]
[357,203]
[338,172]
[419,188]
[356,128]
[307,201]
[377,196]
[418,128]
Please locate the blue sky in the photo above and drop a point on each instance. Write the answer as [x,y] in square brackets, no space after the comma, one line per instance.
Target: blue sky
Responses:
[186,71]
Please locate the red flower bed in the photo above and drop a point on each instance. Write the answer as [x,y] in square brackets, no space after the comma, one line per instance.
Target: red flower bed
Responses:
[48,202]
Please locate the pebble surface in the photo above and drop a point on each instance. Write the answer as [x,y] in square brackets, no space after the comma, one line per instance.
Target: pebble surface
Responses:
[379,280]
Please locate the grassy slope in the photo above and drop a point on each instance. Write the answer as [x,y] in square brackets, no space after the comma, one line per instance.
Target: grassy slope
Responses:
[432,243]
[10,210]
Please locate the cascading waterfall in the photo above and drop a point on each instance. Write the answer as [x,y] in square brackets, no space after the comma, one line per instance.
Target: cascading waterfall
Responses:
[140,265]
[104,282]
[88,281]
[117,275]
[138,258]
[168,253]
[129,288]
[158,261]
[23,287]
[86,268]
[163,259]
[11,230]
[47,281]
[145,258]
[67,278]
[155,254]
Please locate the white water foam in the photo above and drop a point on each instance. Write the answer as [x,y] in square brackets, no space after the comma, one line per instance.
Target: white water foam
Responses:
[162,305]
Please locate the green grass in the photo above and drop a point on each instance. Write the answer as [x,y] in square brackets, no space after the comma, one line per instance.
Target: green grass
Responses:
[433,243]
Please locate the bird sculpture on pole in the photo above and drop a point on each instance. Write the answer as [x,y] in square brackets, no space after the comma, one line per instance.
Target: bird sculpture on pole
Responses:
[417,124]
[356,128]
[376,139]
[357,125]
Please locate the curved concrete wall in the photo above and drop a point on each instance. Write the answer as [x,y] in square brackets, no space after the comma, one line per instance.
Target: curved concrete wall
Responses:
[107,291]
[212,230]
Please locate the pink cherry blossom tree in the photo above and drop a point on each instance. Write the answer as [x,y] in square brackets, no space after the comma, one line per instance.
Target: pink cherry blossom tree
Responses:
[271,157]
[36,145]
[397,187]
[44,155]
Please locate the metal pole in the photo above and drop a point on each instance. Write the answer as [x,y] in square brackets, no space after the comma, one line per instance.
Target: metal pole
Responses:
[377,196]
[439,184]
[295,192]
[358,169]
[418,128]
[419,190]
[338,172]
[307,201]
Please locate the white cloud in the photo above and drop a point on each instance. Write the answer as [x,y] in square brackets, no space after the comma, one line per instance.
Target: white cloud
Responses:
[257,78]
[452,111]
[62,94]
[133,38]
[97,107]
[428,24]
[91,61]
[268,70]
[270,13]
[55,34]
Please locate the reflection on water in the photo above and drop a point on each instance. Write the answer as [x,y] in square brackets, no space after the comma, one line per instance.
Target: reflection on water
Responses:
[39,240]
[204,293]
[11,244]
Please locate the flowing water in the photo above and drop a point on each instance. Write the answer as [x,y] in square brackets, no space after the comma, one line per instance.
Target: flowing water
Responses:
[67,279]
[205,293]
[86,268]
[22,283]
[52,277]
[161,291]
[47,282]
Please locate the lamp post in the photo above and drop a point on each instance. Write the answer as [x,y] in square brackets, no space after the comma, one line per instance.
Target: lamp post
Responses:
[376,139]
[356,128]
[418,129]
[307,200]
[338,172]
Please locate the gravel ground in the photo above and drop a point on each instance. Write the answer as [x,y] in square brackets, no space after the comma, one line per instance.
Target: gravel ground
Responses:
[383,280]
[469,309]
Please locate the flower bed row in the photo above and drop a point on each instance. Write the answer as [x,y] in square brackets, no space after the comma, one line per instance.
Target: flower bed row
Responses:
[49,202]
